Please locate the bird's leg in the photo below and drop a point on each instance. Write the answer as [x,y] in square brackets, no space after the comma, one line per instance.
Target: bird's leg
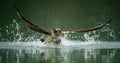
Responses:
[47,39]
[44,38]
[56,40]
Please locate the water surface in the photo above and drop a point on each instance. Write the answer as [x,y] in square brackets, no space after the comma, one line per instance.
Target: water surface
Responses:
[19,44]
[68,52]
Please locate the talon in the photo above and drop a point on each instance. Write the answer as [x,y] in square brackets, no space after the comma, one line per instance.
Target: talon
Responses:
[42,40]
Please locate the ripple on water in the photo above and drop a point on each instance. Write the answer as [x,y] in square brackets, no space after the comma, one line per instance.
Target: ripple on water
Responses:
[65,44]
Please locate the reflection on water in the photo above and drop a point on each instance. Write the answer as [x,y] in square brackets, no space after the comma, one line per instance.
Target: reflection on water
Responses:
[65,15]
[27,53]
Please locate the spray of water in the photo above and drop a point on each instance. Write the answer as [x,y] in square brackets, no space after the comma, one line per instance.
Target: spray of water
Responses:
[20,34]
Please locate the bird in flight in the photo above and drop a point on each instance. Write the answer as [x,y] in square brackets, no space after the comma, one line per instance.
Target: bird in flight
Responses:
[53,35]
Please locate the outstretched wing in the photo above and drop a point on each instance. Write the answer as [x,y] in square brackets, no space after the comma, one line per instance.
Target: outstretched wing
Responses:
[31,25]
[89,29]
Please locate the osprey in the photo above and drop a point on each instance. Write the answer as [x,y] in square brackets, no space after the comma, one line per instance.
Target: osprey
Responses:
[53,35]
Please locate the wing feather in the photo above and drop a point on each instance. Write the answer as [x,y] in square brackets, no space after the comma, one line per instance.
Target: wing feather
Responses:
[31,25]
[43,30]
[89,29]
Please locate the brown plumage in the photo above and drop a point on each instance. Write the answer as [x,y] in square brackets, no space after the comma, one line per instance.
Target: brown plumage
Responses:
[54,34]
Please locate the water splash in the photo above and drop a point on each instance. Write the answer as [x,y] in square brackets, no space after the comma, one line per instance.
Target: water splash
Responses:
[22,38]
[89,38]
[20,33]
[13,30]
[16,32]
[109,32]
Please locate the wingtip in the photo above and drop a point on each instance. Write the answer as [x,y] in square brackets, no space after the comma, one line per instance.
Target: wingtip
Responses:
[17,11]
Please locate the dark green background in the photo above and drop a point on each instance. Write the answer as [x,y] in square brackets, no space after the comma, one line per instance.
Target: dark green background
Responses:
[63,14]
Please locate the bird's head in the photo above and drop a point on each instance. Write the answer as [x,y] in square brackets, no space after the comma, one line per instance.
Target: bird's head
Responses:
[57,32]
